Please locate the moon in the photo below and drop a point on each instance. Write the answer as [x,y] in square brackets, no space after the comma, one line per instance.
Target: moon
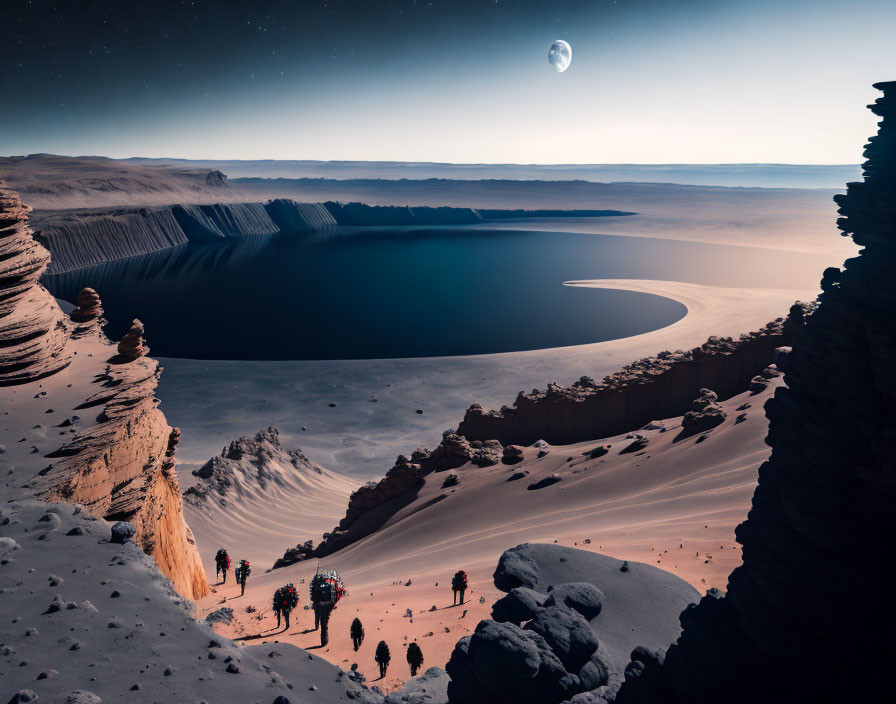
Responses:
[560,55]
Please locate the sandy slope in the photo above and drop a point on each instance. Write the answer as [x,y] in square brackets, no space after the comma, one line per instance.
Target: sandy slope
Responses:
[674,505]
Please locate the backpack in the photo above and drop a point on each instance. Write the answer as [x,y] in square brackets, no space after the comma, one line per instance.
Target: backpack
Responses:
[460,580]
[246,569]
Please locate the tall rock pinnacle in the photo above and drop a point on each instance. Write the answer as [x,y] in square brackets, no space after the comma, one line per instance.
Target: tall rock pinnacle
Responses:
[32,334]
[809,616]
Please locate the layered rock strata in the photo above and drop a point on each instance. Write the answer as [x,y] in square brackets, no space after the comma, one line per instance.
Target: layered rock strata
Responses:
[32,332]
[662,386]
[89,307]
[131,346]
[122,469]
[808,615]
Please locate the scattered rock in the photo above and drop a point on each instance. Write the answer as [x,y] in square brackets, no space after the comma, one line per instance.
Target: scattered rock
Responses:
[222,615]
[552,478]
[513,454]
[122,532]
[80,696]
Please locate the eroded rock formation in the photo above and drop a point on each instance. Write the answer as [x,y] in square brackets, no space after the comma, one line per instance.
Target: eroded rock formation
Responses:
[662,386]
[131,346]
[705,413]
[89,306]
[808,616]
[122,469]
[32,333]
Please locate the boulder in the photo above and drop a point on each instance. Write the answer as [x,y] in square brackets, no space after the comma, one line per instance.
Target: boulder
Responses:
[705,414]
[500,663]
[579,596]
[521,604]
[122,532]
[567,633]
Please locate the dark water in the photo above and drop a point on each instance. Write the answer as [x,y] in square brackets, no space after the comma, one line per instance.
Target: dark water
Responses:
[386,293]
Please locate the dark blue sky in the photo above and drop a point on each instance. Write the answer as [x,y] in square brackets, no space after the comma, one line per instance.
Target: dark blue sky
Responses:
[463,81]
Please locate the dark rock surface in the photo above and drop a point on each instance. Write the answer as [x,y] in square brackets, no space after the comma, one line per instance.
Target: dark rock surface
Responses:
[582,618]
[811,600]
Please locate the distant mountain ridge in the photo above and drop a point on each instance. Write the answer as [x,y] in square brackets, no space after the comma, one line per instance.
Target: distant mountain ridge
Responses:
[738,175]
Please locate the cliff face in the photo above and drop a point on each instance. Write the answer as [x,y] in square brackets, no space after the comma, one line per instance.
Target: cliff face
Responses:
[122,469]
[78,239]
[808,614]
[662,386]
[120,464]
[32,334]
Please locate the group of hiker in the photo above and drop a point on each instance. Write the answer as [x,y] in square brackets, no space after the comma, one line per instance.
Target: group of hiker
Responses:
[241,572]
[325,590]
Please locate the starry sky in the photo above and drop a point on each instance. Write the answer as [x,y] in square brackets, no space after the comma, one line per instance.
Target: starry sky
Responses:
[651,81]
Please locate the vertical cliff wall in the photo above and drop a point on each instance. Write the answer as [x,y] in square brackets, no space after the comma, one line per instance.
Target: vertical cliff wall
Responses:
[120,466]
[809,616]
[662,386]
[32,334]
[82,238]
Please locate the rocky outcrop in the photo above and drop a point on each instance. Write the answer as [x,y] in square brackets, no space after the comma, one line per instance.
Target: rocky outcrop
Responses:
[566,628]
[131,346]
[87,314]
[808,616]
[374,503]
[705,414]
[250,465]
[122,469]
[32,333]
[662,386]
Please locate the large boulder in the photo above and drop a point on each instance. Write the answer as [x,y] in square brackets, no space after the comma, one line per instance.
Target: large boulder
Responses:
[568,634]
[579,596]
[503,664]
[519,605]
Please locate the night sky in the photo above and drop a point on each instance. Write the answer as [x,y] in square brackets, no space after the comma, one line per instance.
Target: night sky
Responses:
[651,81]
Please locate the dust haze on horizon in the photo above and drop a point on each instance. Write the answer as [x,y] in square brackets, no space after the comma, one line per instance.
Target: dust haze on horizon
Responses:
[458,82]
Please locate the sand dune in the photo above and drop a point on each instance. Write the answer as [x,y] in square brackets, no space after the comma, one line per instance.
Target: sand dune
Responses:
[256,498]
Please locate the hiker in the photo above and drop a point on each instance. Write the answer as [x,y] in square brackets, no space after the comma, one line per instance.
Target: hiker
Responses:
[242,572]
[326,589]
[382,657]
[357,631]
[222,564]
[459,584]
[415,658]
[286,598]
